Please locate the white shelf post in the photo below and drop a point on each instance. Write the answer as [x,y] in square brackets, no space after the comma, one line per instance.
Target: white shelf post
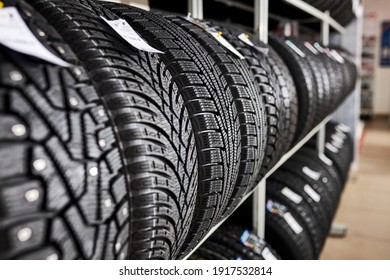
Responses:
[261,29]
[195,7]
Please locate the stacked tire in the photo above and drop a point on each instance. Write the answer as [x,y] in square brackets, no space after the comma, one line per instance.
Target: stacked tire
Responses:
[232,242]
[303,196]
[128,154]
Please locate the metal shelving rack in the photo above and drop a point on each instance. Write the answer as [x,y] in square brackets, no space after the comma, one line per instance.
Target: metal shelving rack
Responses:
[261,13]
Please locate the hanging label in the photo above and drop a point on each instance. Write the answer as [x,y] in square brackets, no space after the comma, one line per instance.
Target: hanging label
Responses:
[291,195]
[292,223]
[245,38]
[311,173]
[337,139]
[226,44]
[311,48]
[337,56]
[343,128]
[325,159]
[332,148]
[124,30]
[267,255]
[340,134]
[295,48]
[319,47]
[16,35]
[216,34]
[312,193]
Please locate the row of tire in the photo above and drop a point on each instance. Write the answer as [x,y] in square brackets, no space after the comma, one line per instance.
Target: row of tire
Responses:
[302,198]
[343,11]
[130,154]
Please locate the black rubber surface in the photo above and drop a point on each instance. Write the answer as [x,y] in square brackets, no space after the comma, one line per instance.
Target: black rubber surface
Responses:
[207,88]
[299,186]
[153,126]
[278,233]
[302,210]
[304,83]
[63,183]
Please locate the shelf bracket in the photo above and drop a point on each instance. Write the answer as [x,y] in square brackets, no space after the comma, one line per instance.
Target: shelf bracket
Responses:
[259,197]
[325,29]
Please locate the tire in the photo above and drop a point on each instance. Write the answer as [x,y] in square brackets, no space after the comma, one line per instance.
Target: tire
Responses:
[320,74]
[227,244]
[327,200]
[279,234]
[310,196]
[302,210]
[268,93]
[212,109]
[331,187]
[152,124]
[304,83]
[63,186]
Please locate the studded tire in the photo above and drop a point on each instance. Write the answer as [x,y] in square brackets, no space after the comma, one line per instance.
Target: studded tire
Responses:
[153,129]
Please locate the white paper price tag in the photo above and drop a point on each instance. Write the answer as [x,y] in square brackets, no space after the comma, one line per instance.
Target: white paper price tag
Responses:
[124,30]
[267,255]
[332,148]
[325,159]
[245,38]
[293,223]
[295,48]
[216,34]
[343,128]
[311,48]
[15,34]
[311,173]
[291,195]
[226,44]
[312,193]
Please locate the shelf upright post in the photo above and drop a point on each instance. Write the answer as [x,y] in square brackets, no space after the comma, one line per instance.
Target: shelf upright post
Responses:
[261,20]
[195,7]
[325,33]
[259,196]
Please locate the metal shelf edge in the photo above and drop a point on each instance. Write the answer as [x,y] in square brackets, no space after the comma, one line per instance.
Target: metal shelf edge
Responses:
[277,165]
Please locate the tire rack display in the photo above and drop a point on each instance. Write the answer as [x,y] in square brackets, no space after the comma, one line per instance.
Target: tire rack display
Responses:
[261,30]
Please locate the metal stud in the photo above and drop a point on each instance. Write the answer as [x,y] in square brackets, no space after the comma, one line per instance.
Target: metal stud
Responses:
[73,101]
[15,76]
[122,256]
[125,211]
[102,143]
[77,71]
[18,130]
[108,203]
[61,49]
[32,195]
[41,33]
[52,257]
[101,113]
[118,246]
[93,171]
[24,234]
[39,164]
